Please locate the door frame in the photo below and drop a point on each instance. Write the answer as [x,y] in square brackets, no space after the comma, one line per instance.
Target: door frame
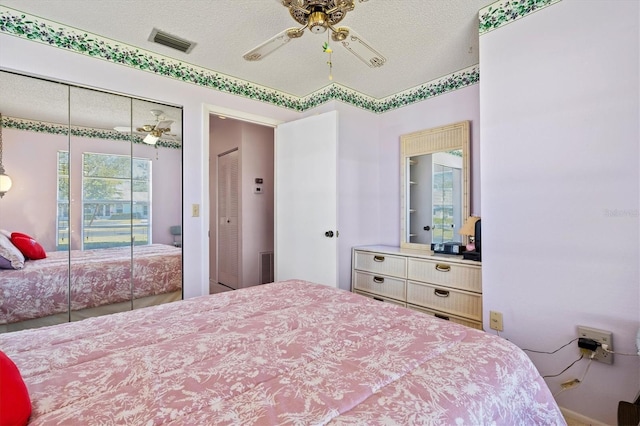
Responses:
[208,110]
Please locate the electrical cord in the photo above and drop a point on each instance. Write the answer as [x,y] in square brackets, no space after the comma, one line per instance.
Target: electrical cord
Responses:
[580,380]
[570,365]
[606,349]
[543,352]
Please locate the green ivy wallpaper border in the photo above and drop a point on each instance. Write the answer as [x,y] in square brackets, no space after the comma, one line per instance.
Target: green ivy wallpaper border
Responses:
[40,30]
[84,132]
[504,12]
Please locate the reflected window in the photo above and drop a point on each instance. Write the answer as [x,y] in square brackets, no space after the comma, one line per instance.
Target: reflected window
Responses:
[62,219]
[116,200]
[447,196]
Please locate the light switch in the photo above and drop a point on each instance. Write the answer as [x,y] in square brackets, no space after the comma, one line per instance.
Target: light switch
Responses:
[195,210]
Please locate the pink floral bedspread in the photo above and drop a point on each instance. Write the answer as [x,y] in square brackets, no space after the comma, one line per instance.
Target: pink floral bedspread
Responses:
[98,277]
[284,353]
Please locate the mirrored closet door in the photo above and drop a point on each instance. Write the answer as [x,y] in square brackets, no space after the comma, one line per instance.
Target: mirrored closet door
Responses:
[92,221]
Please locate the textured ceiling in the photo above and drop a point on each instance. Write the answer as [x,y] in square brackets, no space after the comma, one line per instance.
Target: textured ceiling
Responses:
[422,40]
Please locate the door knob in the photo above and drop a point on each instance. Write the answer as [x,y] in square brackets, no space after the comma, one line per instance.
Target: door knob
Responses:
[427,228]
[328,234]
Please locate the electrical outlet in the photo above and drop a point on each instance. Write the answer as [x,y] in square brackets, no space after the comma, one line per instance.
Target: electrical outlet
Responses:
[495,320]
[600,336]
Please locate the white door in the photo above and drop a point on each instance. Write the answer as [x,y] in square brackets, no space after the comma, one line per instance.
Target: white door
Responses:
[306,200]
[228,208]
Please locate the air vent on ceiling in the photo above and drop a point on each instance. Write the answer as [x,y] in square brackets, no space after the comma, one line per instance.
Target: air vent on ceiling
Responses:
[171,41]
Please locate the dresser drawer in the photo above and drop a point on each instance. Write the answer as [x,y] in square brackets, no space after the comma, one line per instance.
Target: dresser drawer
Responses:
[380,298]
[379,263]
[448,317]
[456,302]
[394,288]
[464,277]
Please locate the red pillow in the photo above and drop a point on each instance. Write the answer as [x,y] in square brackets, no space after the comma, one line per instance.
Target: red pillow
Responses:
[15,405]
[28,246]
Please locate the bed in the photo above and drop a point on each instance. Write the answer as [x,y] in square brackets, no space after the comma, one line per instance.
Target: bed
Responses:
[101,280]
[290,352]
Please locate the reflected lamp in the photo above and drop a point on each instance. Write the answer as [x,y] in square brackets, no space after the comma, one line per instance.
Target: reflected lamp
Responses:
[469,230]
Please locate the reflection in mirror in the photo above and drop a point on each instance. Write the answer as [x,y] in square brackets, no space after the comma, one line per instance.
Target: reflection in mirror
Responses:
[99,200]
[434,176]
[33,135]
[156,194]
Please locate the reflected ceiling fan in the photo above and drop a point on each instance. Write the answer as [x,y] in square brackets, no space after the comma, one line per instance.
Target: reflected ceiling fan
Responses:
[318,16]
[154,131]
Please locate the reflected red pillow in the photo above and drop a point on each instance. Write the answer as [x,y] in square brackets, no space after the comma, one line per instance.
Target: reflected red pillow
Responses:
[28,246]
[15,405]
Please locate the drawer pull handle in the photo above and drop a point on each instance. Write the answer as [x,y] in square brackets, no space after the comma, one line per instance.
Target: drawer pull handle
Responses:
[378,299]
[441,293]
[378,258]
[378,280]
[444,317]
[442,267]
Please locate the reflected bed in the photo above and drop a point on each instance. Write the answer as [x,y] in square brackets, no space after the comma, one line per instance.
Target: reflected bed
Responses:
[101,279]
[290,352]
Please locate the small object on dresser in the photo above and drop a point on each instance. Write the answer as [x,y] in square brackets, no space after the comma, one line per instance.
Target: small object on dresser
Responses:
[448,248]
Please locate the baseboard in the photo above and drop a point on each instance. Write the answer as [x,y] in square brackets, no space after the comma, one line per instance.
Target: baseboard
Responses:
[577,417]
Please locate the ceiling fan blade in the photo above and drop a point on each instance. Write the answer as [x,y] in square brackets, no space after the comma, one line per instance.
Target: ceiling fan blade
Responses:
[123,129]
[273,44]
[355,44]
[164,124]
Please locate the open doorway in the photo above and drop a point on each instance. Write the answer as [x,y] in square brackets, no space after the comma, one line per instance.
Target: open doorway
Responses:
[241,203]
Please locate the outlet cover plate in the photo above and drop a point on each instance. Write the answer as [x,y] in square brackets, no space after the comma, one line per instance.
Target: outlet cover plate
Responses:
[495,320]
[601,336]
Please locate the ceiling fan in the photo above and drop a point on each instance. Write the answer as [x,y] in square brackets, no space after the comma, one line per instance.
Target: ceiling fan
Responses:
[318,16]
[154,131]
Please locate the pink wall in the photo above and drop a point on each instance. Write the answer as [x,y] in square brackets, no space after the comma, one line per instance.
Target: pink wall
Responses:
[30,206]
[257,209]
[560,96]
[255,146]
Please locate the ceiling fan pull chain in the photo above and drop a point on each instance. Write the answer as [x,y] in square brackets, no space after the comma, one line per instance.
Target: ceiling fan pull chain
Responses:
[326,48]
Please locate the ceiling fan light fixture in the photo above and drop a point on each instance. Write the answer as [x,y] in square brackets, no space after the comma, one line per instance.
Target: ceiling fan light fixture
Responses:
[151,139]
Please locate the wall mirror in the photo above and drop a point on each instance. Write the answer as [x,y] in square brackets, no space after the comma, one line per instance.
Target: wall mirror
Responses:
[97,185]
[434,175]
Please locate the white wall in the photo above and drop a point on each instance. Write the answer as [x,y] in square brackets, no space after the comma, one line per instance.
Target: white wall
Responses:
[559,96]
